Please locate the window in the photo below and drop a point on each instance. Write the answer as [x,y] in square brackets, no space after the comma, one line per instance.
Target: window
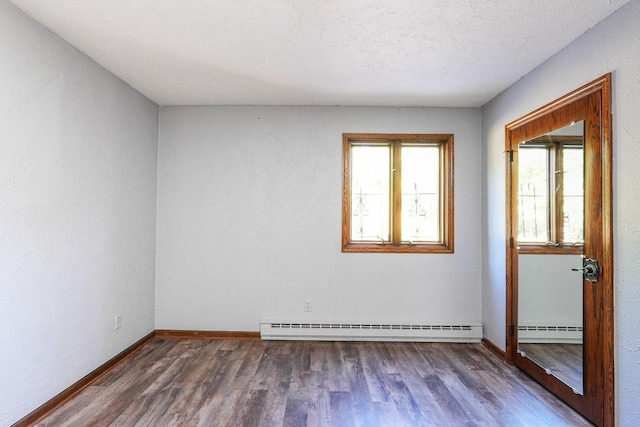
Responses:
[397,193]
[551,195]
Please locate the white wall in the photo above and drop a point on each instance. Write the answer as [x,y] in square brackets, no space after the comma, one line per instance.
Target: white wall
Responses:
[78,151]
[612,45]
[549,293]
[249,221]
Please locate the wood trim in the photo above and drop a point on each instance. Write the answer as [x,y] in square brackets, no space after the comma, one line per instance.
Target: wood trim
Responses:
[592,101]
[346,191]
[72,391]
[426,248]
[557,225]
[447,192]
[211,335]
[511,297]
[569,140]
[608,346]
[531,249]
[386,137]
[493,348]
[396,194]
[581,92]
[446,245]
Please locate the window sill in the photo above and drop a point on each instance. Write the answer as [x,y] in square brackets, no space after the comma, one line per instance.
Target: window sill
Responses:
[435,248]
[550,250]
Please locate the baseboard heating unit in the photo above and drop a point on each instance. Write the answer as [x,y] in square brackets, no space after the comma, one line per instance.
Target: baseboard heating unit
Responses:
[540,334]
[326,331]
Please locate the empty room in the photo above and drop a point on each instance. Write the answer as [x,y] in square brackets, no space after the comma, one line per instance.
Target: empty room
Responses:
[320,213]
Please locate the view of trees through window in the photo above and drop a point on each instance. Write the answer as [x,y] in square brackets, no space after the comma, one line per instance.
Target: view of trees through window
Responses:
[551,193]
[371,202]
[398,193]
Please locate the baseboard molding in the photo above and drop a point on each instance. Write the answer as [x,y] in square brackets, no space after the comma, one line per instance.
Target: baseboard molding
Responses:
[211,335]
[83,383]
[493,348]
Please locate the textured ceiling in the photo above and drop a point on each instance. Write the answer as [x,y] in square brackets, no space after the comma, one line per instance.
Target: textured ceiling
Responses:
[319,52]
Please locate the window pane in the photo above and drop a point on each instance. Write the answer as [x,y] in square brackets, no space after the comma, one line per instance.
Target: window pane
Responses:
[420,193]
[573,212]
[533,200]
[370,192]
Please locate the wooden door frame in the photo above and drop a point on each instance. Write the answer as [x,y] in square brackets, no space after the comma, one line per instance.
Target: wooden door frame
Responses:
[603,413]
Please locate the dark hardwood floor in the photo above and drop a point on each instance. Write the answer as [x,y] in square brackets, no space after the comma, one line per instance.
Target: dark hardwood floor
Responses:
[563,360]
[197,382]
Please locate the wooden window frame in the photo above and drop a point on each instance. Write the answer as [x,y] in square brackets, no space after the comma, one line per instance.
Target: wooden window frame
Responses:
[555,233]
[395,245]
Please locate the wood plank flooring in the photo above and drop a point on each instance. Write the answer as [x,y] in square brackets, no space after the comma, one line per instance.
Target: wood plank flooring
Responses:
[196,382]
[563,360]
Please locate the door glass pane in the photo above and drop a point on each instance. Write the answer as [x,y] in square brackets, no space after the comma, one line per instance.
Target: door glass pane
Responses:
[533,199]
[573,210]
[370,192]
[420,193]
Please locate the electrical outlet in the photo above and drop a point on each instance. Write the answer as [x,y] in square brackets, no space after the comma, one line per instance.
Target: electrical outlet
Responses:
[118,321]
[307,305]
